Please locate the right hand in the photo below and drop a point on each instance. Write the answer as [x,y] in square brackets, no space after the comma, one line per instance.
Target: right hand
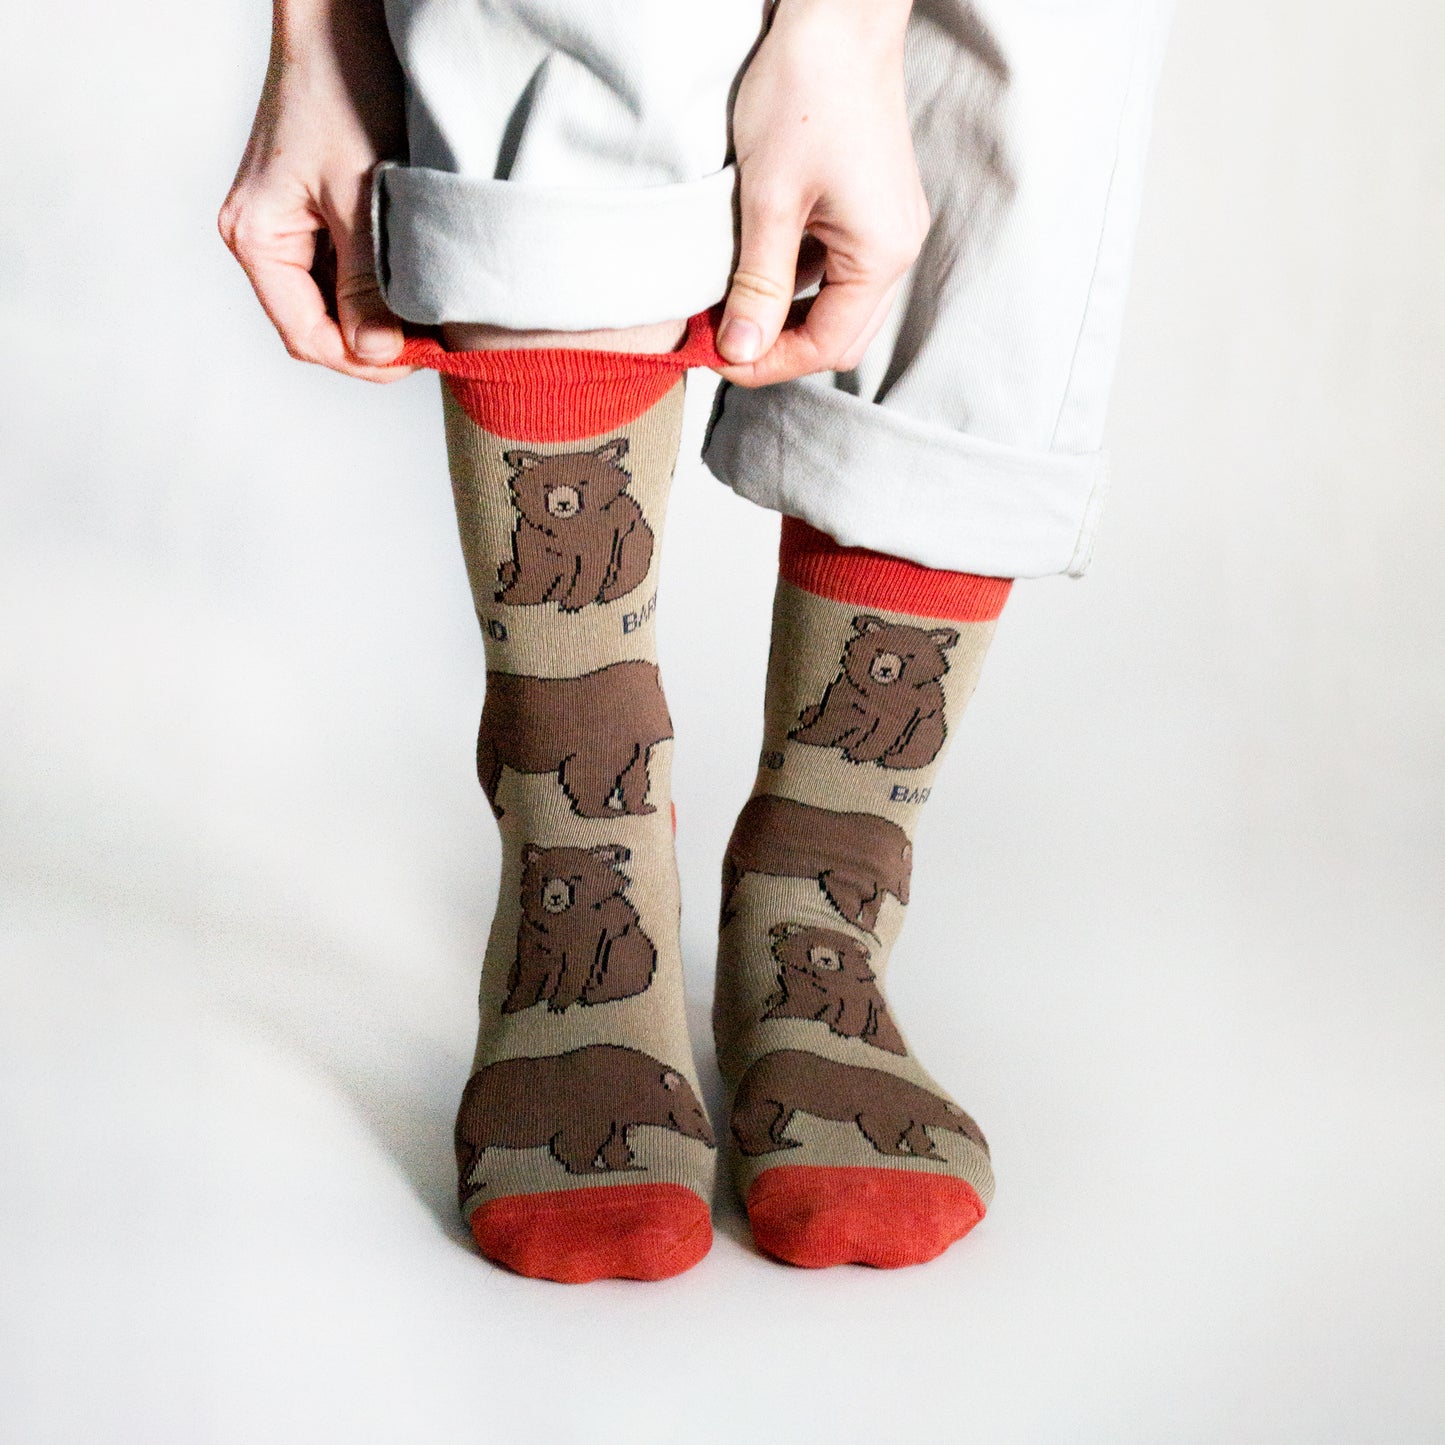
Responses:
[330,109]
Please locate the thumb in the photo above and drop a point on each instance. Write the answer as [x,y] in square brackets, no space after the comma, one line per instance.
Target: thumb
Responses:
[371,332]
[763,283]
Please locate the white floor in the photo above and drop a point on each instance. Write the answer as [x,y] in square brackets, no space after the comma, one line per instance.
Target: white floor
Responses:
[1180,903]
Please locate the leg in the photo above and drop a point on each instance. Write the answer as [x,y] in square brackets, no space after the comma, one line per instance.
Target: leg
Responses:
[980,406]
[884,1132]
[918,1141]
[531,575]
[761,1127]
[489,768]
[576,1148]
[593,784]
[834,1208]
[632,785]
[615,1153]
[857,901]
[565,845]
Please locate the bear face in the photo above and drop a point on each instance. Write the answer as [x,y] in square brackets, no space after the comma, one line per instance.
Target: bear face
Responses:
[889,655]
[824,956]
[825,976]
[552,491]
[683,1111]
[556,881]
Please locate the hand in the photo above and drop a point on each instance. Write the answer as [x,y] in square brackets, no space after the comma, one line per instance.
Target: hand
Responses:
[820,131]
[330,109]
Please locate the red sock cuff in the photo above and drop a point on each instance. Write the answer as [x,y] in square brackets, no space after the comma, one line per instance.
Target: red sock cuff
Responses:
[814,562]
[561,394]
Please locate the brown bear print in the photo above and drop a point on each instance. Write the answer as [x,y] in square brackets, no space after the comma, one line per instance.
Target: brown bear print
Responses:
[892,1114]
[824,975]
[580,941]
[886,704]
[582,1105]
[579,536]
[855,857]
[596,732]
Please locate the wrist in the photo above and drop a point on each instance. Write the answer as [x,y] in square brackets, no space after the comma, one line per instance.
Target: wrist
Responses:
[878,20]
[332,33]
[338,53]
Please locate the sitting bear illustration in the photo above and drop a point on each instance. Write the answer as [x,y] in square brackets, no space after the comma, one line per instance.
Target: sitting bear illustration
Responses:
[596,732]
[579,536]
[580,941]
[855,857]
[582,1105]
[886,704]
[824,975]
[892,1114]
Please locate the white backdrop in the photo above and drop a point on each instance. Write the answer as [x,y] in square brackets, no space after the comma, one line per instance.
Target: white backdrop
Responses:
[1178,932]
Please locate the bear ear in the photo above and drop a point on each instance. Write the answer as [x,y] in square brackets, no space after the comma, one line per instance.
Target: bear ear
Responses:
[672,1080]
[613,853]
[945,637]
[523,461]
[868,623]
[530,853]
[612,451]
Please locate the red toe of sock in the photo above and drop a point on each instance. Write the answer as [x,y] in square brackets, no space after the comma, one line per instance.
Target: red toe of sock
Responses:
[625,1231]
[813,1215]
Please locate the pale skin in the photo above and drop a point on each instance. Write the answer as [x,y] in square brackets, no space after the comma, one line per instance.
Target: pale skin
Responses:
[822,144]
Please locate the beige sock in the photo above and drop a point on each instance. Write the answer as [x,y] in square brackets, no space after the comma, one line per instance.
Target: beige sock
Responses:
[582,1148]
[844,1147]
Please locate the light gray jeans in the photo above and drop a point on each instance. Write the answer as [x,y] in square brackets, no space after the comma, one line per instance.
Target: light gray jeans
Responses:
[568,170]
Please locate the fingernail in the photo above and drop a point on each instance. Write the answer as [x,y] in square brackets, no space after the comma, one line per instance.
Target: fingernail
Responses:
[377,341]
[740,339]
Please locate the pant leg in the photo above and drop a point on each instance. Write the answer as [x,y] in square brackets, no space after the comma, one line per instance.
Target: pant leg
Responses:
[970,437]
[567,165]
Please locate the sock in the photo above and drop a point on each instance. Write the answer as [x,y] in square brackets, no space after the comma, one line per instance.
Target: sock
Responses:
[583,1151]
[844,1149]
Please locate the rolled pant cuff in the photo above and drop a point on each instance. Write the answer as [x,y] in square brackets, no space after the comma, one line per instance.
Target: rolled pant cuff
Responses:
[871,477]
[549,258]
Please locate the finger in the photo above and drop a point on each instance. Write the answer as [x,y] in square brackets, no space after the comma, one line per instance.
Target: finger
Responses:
[855,353]
[765,280]
[835,320]
[295,305]
[812,263]
[276,258]
[372,334]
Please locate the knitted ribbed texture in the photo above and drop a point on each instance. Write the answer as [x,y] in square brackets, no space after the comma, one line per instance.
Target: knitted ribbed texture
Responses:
[583,1149]
[813,561]
[557,394]
[844,1148]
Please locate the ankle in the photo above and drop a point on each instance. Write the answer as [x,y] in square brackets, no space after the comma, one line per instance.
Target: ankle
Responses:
[659,336]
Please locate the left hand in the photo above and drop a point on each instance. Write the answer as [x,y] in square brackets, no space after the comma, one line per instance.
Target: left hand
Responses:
[821,136]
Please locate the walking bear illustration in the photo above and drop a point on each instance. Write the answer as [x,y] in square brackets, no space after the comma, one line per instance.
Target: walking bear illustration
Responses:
[824,975]
[596,732]
[893,1115]
[580,941]
[886,704]
[582,1105]
[579,537]
[855,857]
